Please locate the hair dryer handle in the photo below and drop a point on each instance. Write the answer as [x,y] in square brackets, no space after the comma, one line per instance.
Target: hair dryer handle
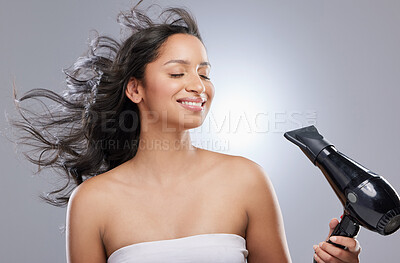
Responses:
[347,228]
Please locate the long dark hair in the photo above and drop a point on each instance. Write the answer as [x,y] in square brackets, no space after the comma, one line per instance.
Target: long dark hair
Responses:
[87,129]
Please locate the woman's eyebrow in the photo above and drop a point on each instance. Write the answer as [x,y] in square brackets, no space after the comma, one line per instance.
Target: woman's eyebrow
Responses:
[185,62]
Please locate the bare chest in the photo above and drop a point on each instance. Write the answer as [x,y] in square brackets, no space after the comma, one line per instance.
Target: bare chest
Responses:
[139,215]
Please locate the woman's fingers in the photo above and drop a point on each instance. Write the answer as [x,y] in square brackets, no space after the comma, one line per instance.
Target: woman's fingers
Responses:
[322,255]
[328,253]
[352,244]
[317,258]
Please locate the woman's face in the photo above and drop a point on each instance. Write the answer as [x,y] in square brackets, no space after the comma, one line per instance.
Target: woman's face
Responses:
[179,74]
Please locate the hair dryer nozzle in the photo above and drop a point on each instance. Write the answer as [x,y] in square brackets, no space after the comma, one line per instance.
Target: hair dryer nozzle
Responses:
[309,141]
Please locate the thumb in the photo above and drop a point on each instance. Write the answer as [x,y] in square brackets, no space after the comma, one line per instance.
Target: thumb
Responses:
[334,222]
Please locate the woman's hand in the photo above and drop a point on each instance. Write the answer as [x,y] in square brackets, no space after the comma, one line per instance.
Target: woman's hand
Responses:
[328,253]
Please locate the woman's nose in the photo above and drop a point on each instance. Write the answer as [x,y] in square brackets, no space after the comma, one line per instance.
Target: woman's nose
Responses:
[196,85]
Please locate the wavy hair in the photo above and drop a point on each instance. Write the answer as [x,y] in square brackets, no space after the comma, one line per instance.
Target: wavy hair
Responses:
[87,128]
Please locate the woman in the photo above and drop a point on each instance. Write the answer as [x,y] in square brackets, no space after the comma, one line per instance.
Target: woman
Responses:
[144,192]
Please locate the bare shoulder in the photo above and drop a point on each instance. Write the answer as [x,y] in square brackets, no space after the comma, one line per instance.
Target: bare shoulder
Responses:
[253,180]
[253,176]
[250,170]
[90,191]
[92,198]
[246,177]
[265,235]
[240,168]
[85,222]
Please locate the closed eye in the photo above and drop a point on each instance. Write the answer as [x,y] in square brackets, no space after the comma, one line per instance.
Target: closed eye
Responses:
[176,75]
[181,74]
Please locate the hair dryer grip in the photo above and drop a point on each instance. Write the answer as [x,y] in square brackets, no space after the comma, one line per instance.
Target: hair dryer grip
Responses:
[347,228]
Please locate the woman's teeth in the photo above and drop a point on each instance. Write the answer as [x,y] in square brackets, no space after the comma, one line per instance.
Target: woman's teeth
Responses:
[191,103]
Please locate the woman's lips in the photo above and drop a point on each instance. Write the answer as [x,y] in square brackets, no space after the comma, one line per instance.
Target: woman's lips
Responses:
[197,101]
[192,107]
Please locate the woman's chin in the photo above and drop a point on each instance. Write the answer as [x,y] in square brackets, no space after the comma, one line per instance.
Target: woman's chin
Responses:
[189,124]
[193,125]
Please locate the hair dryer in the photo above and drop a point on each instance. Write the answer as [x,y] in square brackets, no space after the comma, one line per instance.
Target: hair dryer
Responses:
[367,198]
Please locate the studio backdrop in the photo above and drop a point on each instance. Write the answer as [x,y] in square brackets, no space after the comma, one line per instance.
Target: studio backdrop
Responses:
[276,66]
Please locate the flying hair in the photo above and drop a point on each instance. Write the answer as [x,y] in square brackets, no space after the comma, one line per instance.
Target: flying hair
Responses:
[92,127]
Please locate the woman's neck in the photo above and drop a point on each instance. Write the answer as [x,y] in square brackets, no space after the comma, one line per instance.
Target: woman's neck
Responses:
[164,157]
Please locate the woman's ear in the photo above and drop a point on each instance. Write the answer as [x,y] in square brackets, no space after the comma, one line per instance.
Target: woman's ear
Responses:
[134,90]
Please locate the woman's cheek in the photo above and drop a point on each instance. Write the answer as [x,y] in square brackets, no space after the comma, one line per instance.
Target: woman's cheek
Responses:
[212,91]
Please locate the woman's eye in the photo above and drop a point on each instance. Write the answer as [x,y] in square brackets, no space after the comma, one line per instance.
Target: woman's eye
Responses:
[205,77]
[182,74]
[176,75]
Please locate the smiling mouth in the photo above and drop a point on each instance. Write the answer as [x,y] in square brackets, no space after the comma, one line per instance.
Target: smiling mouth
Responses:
[198,104]
[192,106]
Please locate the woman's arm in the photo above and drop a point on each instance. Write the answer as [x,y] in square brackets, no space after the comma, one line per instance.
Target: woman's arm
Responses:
[84,242]
[265,235]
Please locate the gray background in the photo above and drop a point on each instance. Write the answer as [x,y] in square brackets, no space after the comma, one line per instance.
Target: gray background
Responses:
[276,65]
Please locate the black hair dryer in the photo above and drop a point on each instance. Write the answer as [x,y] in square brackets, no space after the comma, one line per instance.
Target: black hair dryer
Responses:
[368,199]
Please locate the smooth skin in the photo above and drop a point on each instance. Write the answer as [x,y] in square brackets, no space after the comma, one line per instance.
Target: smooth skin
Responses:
[178,190]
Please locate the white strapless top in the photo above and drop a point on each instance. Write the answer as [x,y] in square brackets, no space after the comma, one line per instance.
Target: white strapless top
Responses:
[210,248]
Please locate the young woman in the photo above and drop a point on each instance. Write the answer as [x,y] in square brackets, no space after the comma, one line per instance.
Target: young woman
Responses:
[144,192]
